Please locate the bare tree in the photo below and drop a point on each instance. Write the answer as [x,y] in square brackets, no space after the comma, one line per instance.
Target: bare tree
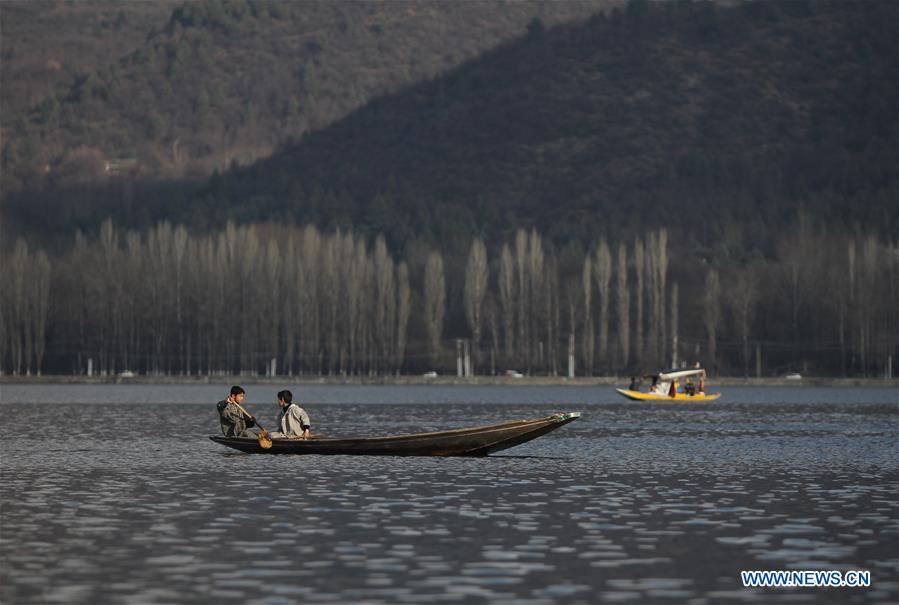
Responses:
[675,317]
[507,300]
[221,347]
[536,288]
[871,268]
[357,259]
[589,336]
[272,292]
[190,303]
[602,270]
[367,313]
[661,265]
[309,282]
[573,292]
[523,314]
[435,304]
[623,310]
[551,303]
[110,297]
[40,306]
[4,316]
[800,270]
[250,263]
[712,313]
[329,303]
[346,251]
[18,307]
[385,302]
[639,266]
[179,249]
[490,313]
[474,292]
[742,295]
[869,277]
[289,295]
[651,259]
[403,309]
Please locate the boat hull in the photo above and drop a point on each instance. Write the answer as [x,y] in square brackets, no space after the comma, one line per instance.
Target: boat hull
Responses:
[477,441]
[679,398]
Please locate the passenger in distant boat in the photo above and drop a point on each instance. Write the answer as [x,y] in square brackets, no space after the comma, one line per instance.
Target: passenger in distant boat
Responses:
[635,384]
[701,389]
[292,419]
[235,420]
[689,387]
[672,392]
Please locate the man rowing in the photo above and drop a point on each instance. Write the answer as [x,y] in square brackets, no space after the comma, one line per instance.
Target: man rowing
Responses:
[235,420]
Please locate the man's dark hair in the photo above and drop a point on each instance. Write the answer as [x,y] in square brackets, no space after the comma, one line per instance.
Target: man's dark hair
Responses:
[236,390]
[286,395]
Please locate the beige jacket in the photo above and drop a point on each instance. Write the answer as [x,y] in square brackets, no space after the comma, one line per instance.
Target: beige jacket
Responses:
[292,421]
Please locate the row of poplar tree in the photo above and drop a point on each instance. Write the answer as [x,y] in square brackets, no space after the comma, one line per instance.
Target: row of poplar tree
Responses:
[292,300]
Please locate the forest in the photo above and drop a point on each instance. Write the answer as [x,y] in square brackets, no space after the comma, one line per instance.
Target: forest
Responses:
[288,300]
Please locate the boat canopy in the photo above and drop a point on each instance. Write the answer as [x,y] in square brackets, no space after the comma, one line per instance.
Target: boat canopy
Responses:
[675,374]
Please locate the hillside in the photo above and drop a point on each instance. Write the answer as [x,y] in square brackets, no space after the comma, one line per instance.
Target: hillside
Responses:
[46,45]
[711,120]
[166,90]
[687,115]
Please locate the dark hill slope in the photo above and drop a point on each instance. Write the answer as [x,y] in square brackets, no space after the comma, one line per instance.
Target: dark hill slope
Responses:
[662,114]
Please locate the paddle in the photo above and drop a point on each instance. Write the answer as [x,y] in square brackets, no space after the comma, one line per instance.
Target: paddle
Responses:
[265,442]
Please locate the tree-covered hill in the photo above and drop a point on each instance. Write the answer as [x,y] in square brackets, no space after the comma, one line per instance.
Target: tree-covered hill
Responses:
[689,115]
[49,44]
[173,90]
[721,122]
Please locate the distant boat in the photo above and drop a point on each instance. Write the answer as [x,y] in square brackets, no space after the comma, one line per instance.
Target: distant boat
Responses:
[665,387]
[476,441]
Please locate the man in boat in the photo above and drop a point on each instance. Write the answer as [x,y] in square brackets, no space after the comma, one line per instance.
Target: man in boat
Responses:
[235,420]
[292,419]
[701,389]
[689,387]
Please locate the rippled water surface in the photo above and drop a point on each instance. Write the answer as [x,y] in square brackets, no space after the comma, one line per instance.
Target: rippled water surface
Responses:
[113,494]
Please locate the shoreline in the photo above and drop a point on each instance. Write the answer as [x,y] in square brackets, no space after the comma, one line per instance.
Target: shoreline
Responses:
[527,381]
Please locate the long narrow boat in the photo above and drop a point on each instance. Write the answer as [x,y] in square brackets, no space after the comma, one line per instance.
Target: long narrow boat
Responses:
[476,441]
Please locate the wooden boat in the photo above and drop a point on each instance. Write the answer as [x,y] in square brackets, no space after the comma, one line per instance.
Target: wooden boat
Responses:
[476,441]
[665,387]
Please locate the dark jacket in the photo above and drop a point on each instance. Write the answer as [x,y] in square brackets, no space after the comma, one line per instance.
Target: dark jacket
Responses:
[234,422]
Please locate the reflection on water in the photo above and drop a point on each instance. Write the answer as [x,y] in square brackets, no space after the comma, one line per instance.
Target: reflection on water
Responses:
[130,503]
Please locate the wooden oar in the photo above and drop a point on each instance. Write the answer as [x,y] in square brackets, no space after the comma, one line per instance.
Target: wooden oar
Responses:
[265,442]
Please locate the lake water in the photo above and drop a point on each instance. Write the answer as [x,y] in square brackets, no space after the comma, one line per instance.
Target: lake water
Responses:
[113,494]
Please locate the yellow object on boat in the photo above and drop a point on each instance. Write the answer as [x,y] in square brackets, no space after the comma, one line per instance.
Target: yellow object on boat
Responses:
[679,398]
